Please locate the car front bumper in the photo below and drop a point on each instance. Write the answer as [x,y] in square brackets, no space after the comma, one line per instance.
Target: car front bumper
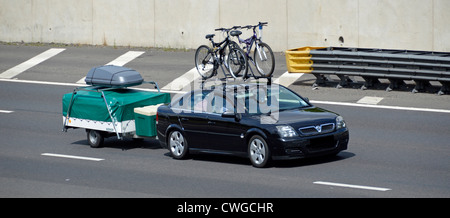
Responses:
[312,146]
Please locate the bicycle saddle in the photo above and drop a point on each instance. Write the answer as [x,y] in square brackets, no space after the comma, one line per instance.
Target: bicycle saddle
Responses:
[209,36]
[235,33]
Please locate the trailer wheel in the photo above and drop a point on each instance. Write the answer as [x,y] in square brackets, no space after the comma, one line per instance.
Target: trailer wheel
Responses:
[95,138]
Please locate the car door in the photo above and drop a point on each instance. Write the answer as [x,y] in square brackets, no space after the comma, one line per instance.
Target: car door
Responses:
[226,132]
[192,120]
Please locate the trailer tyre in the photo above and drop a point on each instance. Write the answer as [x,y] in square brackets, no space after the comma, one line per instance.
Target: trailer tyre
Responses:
[95,138]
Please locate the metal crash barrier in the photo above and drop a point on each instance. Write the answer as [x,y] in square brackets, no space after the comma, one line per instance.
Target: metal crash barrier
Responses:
[372,65]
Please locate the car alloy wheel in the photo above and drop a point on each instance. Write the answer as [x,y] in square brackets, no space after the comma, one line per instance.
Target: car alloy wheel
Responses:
[258,151]
[177,145]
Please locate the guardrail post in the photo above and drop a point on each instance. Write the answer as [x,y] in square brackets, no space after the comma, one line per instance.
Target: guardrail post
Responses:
[320,79]
[445,88]
[369,82]
[395,84]
[421,85]
[344,81]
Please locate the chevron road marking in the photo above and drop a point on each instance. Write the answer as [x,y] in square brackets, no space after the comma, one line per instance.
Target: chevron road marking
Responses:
[11,73]
[288,78]
[179,83]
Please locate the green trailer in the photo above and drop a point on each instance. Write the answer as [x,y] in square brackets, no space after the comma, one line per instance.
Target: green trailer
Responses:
[108,111]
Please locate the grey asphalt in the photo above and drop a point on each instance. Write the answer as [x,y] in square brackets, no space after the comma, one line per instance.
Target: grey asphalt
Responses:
[406,152]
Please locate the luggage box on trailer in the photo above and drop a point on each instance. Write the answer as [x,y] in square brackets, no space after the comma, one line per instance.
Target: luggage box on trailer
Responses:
[113,76]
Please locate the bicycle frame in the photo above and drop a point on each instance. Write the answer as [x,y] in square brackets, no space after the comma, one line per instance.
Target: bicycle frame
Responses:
[220,47]
[252,40]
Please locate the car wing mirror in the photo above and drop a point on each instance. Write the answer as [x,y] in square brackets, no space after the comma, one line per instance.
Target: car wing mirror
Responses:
[231,114]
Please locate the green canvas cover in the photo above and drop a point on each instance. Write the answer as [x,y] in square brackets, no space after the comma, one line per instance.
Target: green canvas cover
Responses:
[91,106]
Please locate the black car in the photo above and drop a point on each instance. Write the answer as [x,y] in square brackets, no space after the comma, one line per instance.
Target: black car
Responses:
[258,121]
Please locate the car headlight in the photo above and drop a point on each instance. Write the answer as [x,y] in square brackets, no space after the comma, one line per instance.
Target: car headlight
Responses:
[286,131]
[340,123]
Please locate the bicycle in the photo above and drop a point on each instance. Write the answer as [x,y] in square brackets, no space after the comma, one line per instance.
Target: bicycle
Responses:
[208,59]
[263,58]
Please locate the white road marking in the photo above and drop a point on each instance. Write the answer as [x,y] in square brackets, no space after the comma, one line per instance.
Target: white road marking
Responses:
[125,58]
[72,157]
[382,106]
[369,100]
[120,61]
[312,101]
[30,63]
[6,112]
[41,82]
[352,186]
[179,83]
[287,78]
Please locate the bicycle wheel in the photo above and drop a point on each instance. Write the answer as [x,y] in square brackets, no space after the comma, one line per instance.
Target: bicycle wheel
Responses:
[264,59]
[204,62]
[231,46]
[237,61]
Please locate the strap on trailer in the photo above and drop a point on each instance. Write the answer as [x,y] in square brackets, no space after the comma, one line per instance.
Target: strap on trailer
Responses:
[98,90]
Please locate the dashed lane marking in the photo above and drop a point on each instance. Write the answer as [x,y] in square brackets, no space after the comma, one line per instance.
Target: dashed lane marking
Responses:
[72,157]
[5,111]
[369,100]
[352,186]
[11,73]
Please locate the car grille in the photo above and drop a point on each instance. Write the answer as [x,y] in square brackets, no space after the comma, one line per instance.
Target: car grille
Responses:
[315,130]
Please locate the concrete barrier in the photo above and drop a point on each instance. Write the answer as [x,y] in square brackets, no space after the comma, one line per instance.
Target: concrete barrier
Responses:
[395,24]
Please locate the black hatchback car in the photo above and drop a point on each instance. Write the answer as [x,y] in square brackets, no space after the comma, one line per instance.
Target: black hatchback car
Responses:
[258,121]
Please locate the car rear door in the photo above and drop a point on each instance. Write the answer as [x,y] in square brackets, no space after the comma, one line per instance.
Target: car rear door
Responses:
[193,121]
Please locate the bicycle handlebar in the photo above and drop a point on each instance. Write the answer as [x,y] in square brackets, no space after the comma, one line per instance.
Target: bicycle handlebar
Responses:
[227,30]
[242,27]
[223,29]
[253,26]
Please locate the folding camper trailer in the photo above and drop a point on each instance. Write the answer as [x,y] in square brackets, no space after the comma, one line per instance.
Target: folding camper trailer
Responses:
[109,107]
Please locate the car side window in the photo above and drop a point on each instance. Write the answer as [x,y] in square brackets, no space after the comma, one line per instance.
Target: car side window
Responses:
[221,104]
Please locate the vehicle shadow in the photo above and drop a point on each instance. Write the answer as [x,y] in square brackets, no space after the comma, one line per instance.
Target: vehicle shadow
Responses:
[218,158]
[273,164]
[312,161]
[153,144]
[125,144]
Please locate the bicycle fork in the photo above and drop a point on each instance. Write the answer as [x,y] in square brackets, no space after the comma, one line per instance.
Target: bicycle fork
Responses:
[261,53]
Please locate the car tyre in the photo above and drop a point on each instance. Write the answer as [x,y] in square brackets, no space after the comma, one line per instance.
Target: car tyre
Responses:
[178,146]
[95,138]
[258,151]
